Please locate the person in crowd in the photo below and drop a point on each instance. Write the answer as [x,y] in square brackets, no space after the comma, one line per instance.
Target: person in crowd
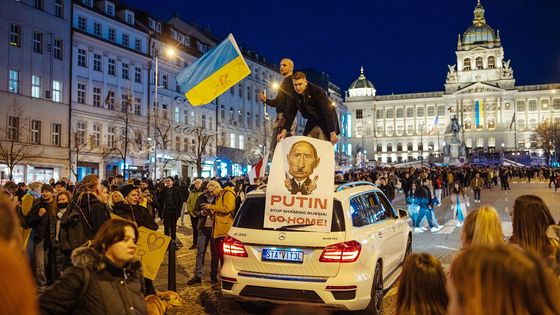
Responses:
[424,199]
[531,220]
[413,206]
[169,208]
[501,280]
[285,98]
[21,190]
[183,197]
[313,104]
[205,224]
[60,187]
[147,200]
[104,279]
[459,203]
[38,218]
[114,198]
[476,185]
[387,188]
[407,185]
[57,257]
[119,181]
[438,188]
[196,191]
[421,287]
[89,200]
[483,227]
[10,230]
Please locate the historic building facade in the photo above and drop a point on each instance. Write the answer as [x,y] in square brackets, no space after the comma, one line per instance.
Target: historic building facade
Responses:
[494,114]
[34,89]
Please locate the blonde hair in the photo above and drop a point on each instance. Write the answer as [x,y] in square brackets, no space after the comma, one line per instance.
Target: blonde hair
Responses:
[422,271]
[482,227]
[114,193]
[503,280]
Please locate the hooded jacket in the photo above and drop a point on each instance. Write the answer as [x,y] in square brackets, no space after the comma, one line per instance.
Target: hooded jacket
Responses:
[223,208]
[94,285]
[137,214]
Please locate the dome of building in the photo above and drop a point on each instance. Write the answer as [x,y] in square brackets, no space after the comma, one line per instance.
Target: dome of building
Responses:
[361,86]
[479,32]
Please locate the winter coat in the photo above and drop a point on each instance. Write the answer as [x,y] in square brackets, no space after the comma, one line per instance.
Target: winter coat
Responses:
[169,203]
[138,214]
[223,208]
[463,202]
[94,285]
[39,224]
[97,210]
[191,201]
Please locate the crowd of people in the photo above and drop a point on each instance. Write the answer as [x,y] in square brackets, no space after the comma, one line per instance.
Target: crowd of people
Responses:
[72,253]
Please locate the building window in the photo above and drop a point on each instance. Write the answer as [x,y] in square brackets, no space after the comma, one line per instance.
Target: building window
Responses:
[97,97]
[410,129]
[87,2]
[400,113]
[232,140]
[35,86]
[544,104]
[137,107]
[389,113]
[110,136]
[359,114]
[479,65]
[467,64]
[81,93]
[138,75]
[240,90]
[193,119]
[82,23]
[379,114]
[13,84]
[532,105]
[125,71]
[112,34]
[420,112]
[37,42]
[97,62]
[110,100]
[97,28]
[39,5]
[15,35]
[556,104]
[409,112]
[125,40]
[110,9]
[13,128]
[36,131]
[431,111]
[441,110]
[138,44]
[203,121]
[58,9]
[129,18]
[379,147]
[58,48]
[248,92]
[491,62]
[241,142]
[520,106]
[82,58]
[125,103]
[96,138]
[111,66]
[223,113]
[55,134]
[164,80]
[56,91]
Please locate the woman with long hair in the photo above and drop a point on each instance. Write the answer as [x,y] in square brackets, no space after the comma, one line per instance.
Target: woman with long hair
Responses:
[89,200]
[422,286]
[501,280]
[482,227]
[412,202]
[531,219]
[459,202]
[104,279]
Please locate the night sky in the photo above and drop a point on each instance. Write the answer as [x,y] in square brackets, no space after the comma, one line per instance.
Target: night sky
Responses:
[404,46]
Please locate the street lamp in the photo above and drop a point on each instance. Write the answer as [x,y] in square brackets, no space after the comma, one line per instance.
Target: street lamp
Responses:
[170,52]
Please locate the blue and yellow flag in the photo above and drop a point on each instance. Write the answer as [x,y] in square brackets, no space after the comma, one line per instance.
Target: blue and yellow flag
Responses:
[213,73]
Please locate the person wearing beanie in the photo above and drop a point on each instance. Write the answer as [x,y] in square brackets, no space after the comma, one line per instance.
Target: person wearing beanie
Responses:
[131,209]
[38,219]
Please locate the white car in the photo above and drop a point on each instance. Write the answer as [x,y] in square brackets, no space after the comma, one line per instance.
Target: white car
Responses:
[349,268]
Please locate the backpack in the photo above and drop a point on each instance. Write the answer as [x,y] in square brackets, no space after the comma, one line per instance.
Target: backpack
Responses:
[237,202]
[75,229]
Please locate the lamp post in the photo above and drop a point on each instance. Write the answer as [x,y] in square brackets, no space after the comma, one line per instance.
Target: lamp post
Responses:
[170,52]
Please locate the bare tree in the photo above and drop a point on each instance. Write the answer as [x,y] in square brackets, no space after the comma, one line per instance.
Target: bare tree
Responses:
[548,134]
[198,152]
[13,148]
[79,147]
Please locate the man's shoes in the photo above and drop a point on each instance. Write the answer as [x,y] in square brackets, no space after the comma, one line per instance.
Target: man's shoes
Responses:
[418,230]
[424,228]
[436,229]
[214,281]
[193,246]
[194,280]
[178,243]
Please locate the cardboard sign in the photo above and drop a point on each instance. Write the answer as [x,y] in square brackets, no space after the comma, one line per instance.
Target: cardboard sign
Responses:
[150,249]
[300,187]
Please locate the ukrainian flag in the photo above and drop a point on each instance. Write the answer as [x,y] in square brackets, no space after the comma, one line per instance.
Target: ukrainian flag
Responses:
[213,73]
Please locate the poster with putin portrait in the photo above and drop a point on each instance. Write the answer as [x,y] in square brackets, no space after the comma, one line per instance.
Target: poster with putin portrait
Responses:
[299,194]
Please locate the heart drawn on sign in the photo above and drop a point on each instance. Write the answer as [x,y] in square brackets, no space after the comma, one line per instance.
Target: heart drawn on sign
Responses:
[155,242]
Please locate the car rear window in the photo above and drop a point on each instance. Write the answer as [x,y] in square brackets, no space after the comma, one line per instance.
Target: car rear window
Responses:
[251,215]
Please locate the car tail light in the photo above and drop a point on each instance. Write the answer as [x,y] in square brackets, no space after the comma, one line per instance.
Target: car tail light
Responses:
[341,252]
[234,247]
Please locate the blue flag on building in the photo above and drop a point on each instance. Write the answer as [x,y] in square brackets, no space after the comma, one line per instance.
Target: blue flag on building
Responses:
[213,73]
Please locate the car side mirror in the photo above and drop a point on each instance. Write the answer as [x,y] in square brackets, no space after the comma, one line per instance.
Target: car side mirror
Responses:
[403,213]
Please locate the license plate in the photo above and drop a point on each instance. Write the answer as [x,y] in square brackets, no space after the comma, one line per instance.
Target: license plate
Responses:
[292,256]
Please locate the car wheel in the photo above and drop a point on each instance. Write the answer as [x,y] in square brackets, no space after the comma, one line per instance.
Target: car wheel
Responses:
[376,301]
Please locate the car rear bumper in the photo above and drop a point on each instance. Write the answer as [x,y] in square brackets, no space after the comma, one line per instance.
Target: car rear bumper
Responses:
[348,290]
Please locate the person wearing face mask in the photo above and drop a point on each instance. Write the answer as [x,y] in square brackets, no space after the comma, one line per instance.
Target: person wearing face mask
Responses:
[55,254]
